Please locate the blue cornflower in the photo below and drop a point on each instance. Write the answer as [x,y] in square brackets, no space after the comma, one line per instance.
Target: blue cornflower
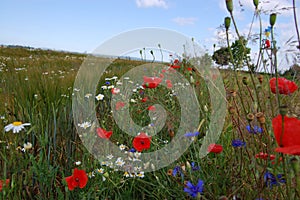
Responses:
[254,129]
[193,190]
[178,170]
[132,150]
[238,143]
[271,180]
[268,29]
[194,168]
[191,134]
[107,83]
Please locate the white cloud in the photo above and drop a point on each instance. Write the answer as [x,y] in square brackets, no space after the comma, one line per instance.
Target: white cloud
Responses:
[151,3]
[182,21]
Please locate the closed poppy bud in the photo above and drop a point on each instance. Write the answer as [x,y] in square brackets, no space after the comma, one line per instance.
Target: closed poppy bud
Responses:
[250,117]
[229,5]
[260,79]
[261,117]
[272,19]
[255,2]
[245,80]
[231,110]
[227,22]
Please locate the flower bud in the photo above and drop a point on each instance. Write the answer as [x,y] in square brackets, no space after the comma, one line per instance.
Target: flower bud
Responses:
[250,117]
[245,80]
[261,117]
[227,22]
[260,78]
[255,2]
[272,19]
[229,5]
[231,110]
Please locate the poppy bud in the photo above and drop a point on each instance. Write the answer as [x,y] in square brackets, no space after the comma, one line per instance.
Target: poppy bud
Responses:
[245,80]
[283,110]
[250,117]
[233,93]
[231,110]
[272,19]
[261,117]
[227,22]
[229,5]
[255,2]
[260,79]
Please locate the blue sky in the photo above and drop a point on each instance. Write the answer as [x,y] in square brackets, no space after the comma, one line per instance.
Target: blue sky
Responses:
[82,25]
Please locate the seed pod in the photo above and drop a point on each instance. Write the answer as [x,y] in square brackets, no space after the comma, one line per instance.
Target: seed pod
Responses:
[255,2]
[227,22]
[272,19]
[229,5]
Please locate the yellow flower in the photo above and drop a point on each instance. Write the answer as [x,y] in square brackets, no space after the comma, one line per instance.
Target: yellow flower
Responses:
[16,127]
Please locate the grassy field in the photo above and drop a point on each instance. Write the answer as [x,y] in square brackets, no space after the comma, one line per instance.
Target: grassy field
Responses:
[256,156]
[37,87]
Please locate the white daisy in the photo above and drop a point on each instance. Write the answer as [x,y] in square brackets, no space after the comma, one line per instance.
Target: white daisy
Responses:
[78,163]
[27,146]
[119,162]
[140,175]
[110,157]
[100,171]
[88,95]
[100,97]
[85,125]
[122,147]
[16,127]
[104,87]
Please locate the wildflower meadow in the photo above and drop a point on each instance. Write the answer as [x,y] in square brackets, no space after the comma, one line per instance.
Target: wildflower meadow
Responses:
[50,139]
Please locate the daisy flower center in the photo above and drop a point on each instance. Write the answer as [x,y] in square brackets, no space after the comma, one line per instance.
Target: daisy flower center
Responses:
[17,123]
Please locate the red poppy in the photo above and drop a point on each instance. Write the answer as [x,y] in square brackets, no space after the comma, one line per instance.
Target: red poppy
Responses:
[119,105]
[289,140]
[142,142]
[189,69]
[169,84]
[268,44]
[115,90]
[103,133]
[151,82]
[265,156]
[175,66]
[151,108]
[3,182]
[215,148]
[284,86]
[144,99]
[78,179]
